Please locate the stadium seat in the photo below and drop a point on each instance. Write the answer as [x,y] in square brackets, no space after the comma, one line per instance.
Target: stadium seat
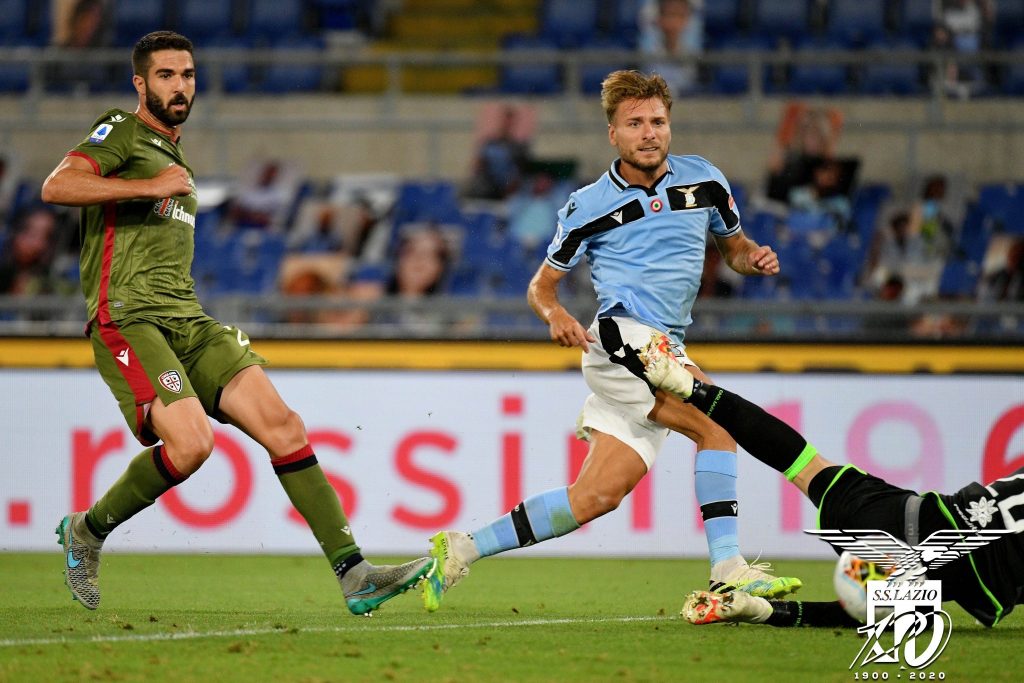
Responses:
[722,21]
[775,19]
[855,23]
[336,15]
[287,78]
[880,78]
[959,279]
[974,233]
[593,74]
[917,21]
[822,78]
[760,227]
[13,22]
[272,19]
[618,22]
[38,24]
[1009,21]
[542,78]
[739,196]
[236,76]
[433,202]
[569,23]
[839,264]
[867,202]
[205,20]
[135,18]
[1013,74]
[733,79]
[1004,204]
[14,78]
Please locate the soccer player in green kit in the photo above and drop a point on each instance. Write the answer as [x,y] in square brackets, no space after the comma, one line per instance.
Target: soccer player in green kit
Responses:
[168,364]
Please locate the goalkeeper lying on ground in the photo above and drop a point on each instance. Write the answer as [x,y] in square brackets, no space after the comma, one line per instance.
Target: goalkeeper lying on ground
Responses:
[987,583]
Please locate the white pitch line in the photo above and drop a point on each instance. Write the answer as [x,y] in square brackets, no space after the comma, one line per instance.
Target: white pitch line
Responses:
[189,635]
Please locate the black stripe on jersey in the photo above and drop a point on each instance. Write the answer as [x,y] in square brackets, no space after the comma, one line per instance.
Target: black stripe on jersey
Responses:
[707,195]
[629,358]
[632,211]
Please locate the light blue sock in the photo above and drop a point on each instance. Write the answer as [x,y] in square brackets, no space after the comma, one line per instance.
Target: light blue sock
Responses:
[715,481]
[538,518]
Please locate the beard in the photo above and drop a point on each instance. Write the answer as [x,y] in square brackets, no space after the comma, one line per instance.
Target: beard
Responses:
[163,112]
[633,159]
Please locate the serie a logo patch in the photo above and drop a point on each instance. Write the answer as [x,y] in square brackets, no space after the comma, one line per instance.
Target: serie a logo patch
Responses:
[171,381]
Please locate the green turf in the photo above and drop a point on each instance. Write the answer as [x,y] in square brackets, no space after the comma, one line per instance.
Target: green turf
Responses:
[267,618]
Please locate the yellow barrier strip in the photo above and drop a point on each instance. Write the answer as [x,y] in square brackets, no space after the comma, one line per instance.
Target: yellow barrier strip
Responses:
[713,358]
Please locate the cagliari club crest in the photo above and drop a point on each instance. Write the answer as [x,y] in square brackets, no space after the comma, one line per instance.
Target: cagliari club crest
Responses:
[171,381]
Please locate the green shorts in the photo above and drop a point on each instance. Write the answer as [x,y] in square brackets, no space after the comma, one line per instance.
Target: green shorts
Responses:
[173,358]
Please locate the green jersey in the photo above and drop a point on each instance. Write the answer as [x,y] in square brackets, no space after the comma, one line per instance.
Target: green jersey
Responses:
[136,254]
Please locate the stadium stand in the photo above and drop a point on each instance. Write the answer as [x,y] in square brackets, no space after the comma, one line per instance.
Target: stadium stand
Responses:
[824,258]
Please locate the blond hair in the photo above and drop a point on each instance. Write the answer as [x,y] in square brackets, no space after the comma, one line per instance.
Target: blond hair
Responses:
[620,86]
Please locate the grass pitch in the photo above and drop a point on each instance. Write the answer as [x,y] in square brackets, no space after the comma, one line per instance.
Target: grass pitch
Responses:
[272,618]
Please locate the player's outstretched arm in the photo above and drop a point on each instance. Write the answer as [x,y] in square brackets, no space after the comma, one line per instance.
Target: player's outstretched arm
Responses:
[542,296]
[75,183]
[746,257]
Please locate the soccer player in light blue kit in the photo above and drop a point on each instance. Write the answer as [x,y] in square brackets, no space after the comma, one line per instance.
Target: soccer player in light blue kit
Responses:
[643,229]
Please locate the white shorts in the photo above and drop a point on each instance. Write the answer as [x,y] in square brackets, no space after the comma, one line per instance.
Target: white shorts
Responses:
[622,398]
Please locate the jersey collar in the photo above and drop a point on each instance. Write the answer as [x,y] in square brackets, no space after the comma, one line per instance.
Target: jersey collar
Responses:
[622,185]
[154,125]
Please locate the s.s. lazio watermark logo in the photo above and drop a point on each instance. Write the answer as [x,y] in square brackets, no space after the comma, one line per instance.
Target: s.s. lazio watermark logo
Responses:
[906,624]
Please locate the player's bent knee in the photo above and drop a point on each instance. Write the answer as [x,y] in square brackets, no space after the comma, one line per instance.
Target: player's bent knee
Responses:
[189,451]
[588,505]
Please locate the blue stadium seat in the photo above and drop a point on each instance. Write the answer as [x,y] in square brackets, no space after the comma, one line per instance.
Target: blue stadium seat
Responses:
[867,202]
[880,78]
[840,262]
[135,18]
[1013,74]
[733,79]
[236,75]
[722,21]
[618,22]
[285,78]
[1004,204]
[974,233]
[760,227]
[856,23]
[271,19]
[593,74]
[959,279]
[14,78]
[253,262]
[818,78]
[781,19]
[205,20]
[739,196]
[435,202]
[917,21]
[569,23]
[13,22]
[533,79]
[1009,21]
[337,15]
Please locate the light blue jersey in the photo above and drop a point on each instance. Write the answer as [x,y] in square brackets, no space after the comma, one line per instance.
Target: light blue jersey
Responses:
[645,246]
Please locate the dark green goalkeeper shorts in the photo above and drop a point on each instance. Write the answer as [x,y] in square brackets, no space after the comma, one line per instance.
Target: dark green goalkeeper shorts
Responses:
[172,358]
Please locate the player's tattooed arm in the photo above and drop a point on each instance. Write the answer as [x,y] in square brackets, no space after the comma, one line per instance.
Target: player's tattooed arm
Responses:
[746,257]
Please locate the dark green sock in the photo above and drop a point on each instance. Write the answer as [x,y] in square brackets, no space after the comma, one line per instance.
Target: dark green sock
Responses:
[149,474]
[312,495]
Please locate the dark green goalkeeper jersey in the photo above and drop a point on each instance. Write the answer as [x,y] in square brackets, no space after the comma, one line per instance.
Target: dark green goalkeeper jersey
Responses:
[136,254]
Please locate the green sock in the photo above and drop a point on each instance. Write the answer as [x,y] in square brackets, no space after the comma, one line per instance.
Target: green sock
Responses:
[312,495]
[149,474]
